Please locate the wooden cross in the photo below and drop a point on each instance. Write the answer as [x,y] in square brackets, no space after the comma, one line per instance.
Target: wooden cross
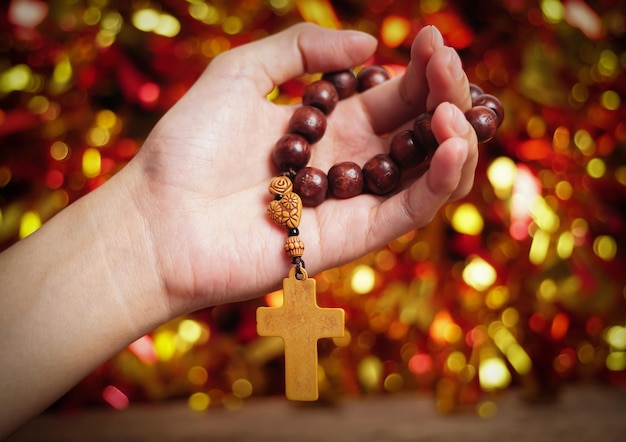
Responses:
[300,322]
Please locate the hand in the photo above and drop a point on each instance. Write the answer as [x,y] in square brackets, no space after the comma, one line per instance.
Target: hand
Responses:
[207,164]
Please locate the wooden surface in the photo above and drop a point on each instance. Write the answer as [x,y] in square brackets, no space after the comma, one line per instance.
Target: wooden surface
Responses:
[582,413]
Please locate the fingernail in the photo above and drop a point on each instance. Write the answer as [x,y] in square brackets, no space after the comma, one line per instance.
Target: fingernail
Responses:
[437,38]
[454,67]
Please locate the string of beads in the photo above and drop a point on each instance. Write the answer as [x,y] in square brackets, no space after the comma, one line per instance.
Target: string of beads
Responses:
[299,184]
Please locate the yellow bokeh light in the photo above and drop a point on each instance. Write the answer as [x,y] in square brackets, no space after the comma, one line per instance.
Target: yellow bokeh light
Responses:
[608,63]
[456,361]
[605,247]
[92,162]
[487,409]
[564,190]
[29,223]
[369,372]
[242,388]
[467,220]
[536,127]
[394,30]
[596,168]
[165,345]
[501,174]
[584,142]
[616,361]
[497,297]
[197,375]
[232,25]
[610,100]
[547,290]
[16,78]
[167,26]
[363,279]
[59,150]
[539,247]
[190,330]
[493,374]
[479,274]
[553,11]
[393,383]
[616,337]
[199,401]
[145,19]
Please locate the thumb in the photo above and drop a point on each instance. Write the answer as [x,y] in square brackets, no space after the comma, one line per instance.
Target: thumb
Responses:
[304,47]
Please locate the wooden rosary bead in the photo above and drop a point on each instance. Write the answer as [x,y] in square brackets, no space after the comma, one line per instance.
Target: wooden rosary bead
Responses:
[308,121]
[484,121]
[381,175]
[345,180]
[279,185]
[475,91]
[371,76]
[405,151]
[493,103]
[311,184]
[322,95]
[423,133]
[294,246]
[291,151]
[344,82]
[286,211]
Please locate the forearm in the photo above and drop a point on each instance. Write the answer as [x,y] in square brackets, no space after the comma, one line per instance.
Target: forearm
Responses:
[72,295]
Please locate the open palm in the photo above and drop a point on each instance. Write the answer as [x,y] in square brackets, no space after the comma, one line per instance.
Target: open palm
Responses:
[206,166]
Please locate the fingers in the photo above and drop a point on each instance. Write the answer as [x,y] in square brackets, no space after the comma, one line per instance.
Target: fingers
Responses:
[450,175]
[301,48]
[434,75]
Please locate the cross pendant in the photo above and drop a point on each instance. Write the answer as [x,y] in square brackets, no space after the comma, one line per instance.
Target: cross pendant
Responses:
[300,322]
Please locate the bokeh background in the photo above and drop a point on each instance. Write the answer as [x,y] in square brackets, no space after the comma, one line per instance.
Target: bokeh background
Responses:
[519,285]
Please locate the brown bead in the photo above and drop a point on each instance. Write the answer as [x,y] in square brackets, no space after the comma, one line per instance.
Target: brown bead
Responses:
[322,95]
[311,184]
[484,121]
[423,133]
[493,103]
[345,180]
[291,151]
[344,81]
[308,121]
[286,212]
[279,185]
[405,151]
[475,91]
[371,76]
[381,174]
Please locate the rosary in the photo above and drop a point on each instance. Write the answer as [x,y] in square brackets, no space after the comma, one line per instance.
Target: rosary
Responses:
[300,322]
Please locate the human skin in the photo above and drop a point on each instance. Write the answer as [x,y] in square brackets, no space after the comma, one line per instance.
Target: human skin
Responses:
[183,225]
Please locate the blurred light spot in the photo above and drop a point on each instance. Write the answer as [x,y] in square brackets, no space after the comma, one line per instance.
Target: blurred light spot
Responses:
[610,100]
[579,15]
[564,190]
[393,383]
[510,317]
[608,63]
[580,93]
[98,137]
[467,219]
[232,25]
[561,138]
[165,345]
[536,127]
[605,247]
[497,297]
[29,223]
[92,162]
[320,12]
[143,348]
[149,93]
[115,397]
[479,274]
[539,247]
[274,299]
[544,216]
[27,13]
[242,388]
[501,175]
[456,361]
[145,19]
[369,373]
[190,330]
[420,364]
[560,325]
[444,329]
[616,337]
[585,352]
[197,375]
[38,104]
[363,279]
[54,179]
[547,290]
[199,401]
[62,72]
[596,168]
[552,10]
[16,78]
[616,361]
[431,6]
[493,374]
[584,142]
[92,16]
[394,30]
[564,361]
[526,190]
[537,322]
[106,119]
[487,409]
